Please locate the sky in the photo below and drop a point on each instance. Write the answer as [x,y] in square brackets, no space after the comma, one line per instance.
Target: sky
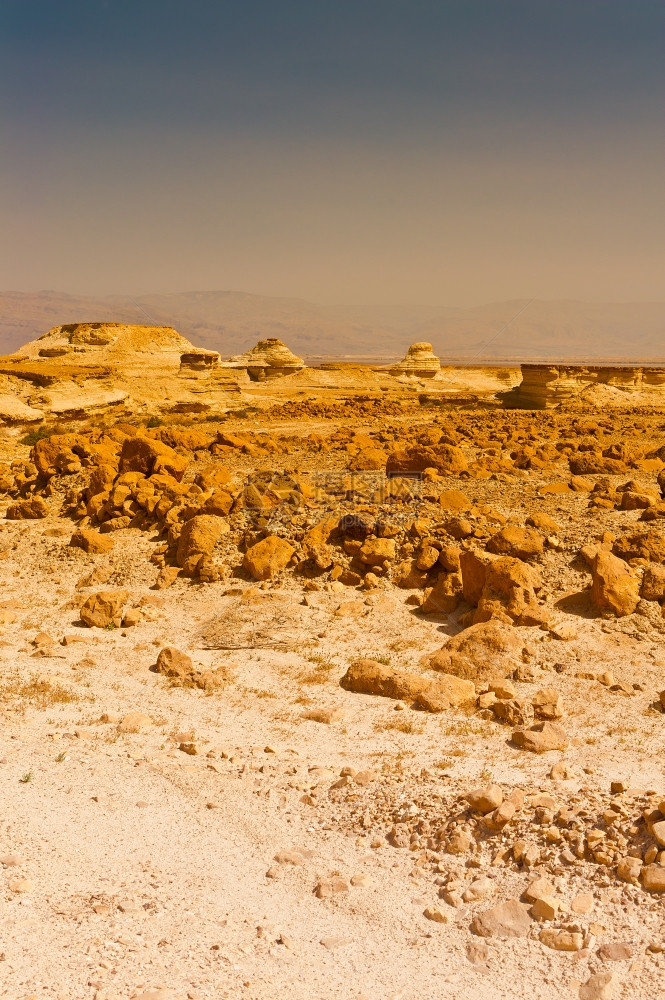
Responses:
[450,152]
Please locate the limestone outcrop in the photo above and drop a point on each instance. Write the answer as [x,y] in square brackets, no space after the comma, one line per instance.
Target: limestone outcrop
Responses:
[81,369]
[548,386]
[419,362]
[269,359]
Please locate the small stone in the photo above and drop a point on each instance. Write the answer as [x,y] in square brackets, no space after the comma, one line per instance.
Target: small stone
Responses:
[333,886]
[541,888]
[478,889]
[602,986]
[289,858]
[615,951]
[362,880]
[437,915]
[561,940]
[477,952]
[24,885]
[11,860]
[629,869]
[545,908]
[582,904]
[484,800]
[189,748]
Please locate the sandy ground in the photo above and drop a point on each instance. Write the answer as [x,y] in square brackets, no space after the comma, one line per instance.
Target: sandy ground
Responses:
[131,867]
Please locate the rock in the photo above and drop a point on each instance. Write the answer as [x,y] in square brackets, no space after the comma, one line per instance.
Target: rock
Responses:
[547,704]
[561,940]
[601,986]
[447,459]
[444,596]
[540,888]
[582,904]
[374,551]
[432,694]
[268,557]
[506,920]
[653,583]
[331,887]
[509,593]
[513,540]
[653,878]
[131,617]
[30,510]
[541,738]
[614,586]
[615,951]
[104,608]
[484,651]
[91,541]
[629,869]
[545,908]
[543,522]
[484,800]
[151,457]
[135,722]
[437,915]
[479,888]
[166,577]
[199,536]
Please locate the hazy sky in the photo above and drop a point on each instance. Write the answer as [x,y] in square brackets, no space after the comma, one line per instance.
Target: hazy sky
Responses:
[442,151]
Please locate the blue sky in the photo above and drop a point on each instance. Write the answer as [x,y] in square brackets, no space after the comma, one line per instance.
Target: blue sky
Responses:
[447,152]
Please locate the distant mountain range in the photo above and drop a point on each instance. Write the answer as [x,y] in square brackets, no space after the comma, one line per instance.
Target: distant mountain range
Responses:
[230,322]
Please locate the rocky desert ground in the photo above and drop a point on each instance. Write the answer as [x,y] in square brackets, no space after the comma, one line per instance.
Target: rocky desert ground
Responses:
[342,688]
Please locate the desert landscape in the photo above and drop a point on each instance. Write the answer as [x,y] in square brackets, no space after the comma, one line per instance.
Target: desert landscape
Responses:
[337,681]
[332,500]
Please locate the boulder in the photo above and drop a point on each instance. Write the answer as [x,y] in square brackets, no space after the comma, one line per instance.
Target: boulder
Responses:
[31,509]
[375,550]
[268,557]
[514,540]
[432,694]
[506,920]
[649,545]
[104,608]
[91,541]
[541,738]
[199,536]
[614,587]
[481,652]
[146,455]
[316,543]
[444,596]
[509,593]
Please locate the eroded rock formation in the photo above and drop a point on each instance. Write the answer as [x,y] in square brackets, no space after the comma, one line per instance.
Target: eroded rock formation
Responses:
[269,359]
[548,386]
[419,361]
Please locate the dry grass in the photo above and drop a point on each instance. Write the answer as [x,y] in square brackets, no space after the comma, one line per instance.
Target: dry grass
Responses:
[40,692]
[320,672]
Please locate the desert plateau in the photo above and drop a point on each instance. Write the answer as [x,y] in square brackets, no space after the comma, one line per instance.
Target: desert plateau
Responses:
[337,682]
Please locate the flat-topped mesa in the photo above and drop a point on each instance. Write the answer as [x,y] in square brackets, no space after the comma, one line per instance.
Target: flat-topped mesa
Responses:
[81,343]
[548,386]
[419,362]
[269,359]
